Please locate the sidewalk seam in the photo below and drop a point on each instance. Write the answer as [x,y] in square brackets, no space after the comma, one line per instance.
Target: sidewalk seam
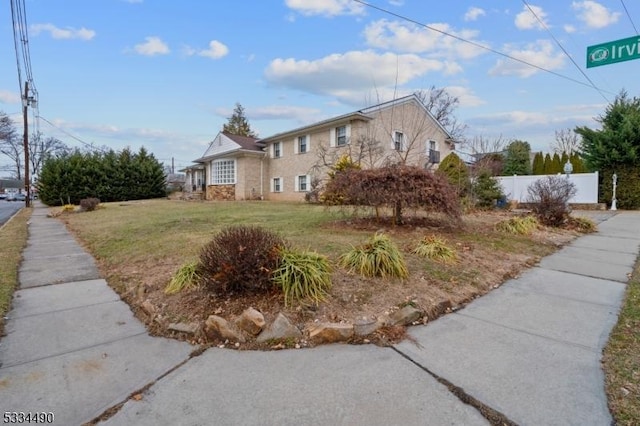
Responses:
[3,367]
[64,310]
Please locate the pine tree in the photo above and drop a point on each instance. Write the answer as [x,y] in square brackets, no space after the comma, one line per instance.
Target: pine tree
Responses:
[556,166]
[238,124]
[547,164]
[577,163]
[538,164]
[456,172]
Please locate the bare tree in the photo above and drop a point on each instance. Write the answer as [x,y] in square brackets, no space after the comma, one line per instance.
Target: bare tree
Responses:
[10,144]
[567,141]
[40,148]
[486,153]
[442,106]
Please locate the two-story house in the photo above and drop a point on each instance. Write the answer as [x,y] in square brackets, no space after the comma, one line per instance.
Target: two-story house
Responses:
[283,166]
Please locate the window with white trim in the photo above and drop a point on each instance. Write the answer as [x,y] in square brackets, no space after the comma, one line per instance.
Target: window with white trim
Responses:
[398,141]
[276,185]
[302,183]
[432,146]
[341,136]
[303,144]
[223,172]
[277,150]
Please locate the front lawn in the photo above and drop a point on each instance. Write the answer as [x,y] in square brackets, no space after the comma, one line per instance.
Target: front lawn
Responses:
[140,245]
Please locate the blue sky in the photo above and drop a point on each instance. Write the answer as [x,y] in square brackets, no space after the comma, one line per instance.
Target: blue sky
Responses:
[166,74]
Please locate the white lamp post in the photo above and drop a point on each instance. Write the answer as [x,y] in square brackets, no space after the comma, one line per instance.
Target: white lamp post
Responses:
[568,168]
[613,199]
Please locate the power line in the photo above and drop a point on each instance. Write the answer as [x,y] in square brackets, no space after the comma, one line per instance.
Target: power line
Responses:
[90,145]
[629,16]
[541,22]
[473,43]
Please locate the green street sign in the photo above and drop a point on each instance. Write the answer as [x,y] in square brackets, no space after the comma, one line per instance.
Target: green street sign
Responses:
[622,50]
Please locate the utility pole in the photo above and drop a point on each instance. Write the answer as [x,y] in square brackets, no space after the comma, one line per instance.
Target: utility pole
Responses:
[27,180]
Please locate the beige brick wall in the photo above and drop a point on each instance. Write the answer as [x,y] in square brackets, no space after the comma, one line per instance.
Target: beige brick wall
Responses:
[249,185]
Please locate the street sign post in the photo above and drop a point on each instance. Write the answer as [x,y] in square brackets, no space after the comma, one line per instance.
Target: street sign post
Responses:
[611,52]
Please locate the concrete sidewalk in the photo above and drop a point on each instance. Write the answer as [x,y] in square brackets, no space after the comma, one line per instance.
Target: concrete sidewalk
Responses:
[527,352]
[72,347]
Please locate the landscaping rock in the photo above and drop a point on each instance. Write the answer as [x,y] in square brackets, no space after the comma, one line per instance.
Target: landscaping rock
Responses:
[331,332]
[405,316]
[363,327]
[280,328]
[218,327]
[148,307]
[251,321]
[190,328]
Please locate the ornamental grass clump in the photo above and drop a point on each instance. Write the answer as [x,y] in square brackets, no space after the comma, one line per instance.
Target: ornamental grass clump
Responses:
[524,225]
[241,259]
[186,277]
[437,249]
[379,257]
[303,275]
[582,224]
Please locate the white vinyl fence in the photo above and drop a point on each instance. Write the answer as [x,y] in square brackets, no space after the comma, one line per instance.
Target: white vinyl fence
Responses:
[515,187]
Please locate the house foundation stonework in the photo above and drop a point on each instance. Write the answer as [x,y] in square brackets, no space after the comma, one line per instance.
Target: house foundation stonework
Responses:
[221,192]
[283,166]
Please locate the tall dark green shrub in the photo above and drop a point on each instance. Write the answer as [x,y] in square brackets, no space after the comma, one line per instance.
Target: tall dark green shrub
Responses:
[110,176]
[538,164]
[548,164]
[456,173]
[518,158]
[486,190]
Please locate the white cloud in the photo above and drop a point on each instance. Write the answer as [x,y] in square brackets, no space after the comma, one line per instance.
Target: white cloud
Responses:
[63,33]
[402,37]
[347,76]
[465,95]
[569,29]
[541,53]
[7,97]
[594,15]
[473,13]
[326,7]
[216,50]
[526,20]
[152,46]
[396,3]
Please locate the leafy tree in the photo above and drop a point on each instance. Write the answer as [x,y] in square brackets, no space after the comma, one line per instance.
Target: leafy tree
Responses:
[538,164]
[456,172]
[517,159]
[564,158]
[615,148]
[238,124]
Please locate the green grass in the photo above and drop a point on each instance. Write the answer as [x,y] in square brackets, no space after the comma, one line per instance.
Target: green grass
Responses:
[13,239]
[622,358]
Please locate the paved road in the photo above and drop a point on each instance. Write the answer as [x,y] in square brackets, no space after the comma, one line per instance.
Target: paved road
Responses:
[7,209]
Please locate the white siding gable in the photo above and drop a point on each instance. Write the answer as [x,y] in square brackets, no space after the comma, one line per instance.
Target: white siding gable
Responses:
[221,145]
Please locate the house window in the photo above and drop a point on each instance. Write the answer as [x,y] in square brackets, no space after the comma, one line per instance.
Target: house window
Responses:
[341,136]
[302,183]
[398,141]
[434,154]
[277,150]
[277,185]
[432,146]
[302,144]
[223,172]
